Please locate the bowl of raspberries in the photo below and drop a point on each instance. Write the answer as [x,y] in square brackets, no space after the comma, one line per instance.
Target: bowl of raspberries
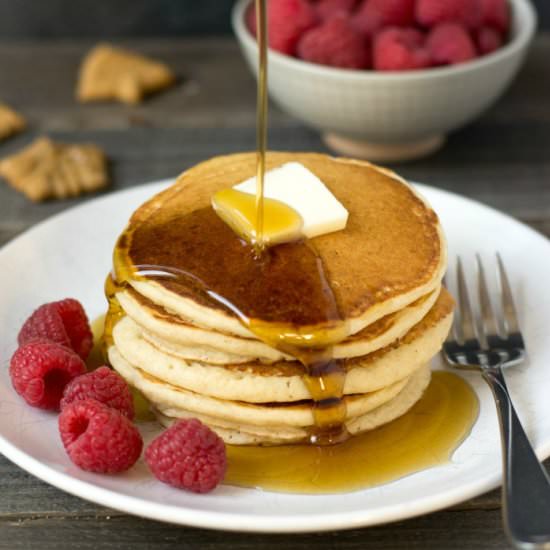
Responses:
[387,80]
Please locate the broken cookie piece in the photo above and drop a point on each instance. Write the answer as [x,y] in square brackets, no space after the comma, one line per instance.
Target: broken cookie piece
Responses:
[114,73]
[45,170]
[11,123]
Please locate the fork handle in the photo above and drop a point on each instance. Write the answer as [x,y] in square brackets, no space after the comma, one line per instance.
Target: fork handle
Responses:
[526,485]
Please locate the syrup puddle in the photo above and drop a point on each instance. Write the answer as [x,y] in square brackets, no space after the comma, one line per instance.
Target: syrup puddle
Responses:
[424,437]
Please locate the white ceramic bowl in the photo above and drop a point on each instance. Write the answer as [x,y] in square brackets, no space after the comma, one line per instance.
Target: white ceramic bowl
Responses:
[388,116]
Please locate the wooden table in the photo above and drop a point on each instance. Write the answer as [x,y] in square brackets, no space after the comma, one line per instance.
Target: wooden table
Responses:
[502,160]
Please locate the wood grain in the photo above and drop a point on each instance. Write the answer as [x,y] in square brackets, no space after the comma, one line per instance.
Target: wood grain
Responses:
[501,160]
[472,530]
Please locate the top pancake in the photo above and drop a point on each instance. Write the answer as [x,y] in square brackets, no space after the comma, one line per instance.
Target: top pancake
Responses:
[391,253]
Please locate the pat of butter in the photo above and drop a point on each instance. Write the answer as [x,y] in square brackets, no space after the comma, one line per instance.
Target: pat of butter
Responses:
[299,188]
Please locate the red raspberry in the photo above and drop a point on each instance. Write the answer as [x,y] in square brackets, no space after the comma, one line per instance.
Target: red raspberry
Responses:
[450,43]
[496,13]
[103,385]
[99,439]
[328,8]
[335,43]
[432,12]
[372,15]
[41,369]
[250,19]
[46,323]
[77,325]
[63,322]
[188,455]
[488,40]
[287,21]
[397,49]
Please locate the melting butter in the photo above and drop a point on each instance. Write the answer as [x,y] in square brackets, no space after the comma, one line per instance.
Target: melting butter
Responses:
[281,223]
[299,188]
[296,204]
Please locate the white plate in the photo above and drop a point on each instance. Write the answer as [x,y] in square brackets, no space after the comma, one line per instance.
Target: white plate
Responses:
[70,254]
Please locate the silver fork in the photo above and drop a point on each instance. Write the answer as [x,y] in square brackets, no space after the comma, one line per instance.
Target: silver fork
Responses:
[486,342]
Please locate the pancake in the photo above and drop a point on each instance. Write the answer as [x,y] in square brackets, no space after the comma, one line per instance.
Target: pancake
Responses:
[169,333]
[283,381]
[390,254]
[241,434]
[197,317]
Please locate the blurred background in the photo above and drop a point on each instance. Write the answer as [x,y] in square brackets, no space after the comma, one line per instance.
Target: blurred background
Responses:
[500,157]
[75,18]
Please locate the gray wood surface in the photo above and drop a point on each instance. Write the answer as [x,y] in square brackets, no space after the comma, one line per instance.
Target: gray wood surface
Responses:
[503,160]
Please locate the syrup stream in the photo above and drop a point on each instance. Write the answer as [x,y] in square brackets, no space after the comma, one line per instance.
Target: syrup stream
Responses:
[261,122]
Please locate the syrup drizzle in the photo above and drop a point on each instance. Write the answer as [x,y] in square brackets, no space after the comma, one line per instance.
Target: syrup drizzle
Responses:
[283,296]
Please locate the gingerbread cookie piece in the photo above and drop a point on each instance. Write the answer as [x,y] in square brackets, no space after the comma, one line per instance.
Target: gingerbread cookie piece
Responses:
[10,122]
[114,73]
[45,170]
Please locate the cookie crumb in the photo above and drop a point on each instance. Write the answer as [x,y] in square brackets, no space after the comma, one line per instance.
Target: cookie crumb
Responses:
[109,73]
[46,170]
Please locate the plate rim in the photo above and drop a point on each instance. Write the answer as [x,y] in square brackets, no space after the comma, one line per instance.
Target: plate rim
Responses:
[242,522]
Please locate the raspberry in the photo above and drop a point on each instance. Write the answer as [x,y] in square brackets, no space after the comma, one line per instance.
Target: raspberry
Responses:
[397,49]
[488,40]
[496,13]
[450,43]
[372,15]
[328,8]
[188,455]
[45,322]
[99,439]
[335,43]
[287,21]
[103,385]
[77,325]
[63,322]
[250,19]
[41,369]
[431,12]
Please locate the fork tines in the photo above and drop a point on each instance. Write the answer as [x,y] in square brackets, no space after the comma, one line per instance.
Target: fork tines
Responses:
[479,327]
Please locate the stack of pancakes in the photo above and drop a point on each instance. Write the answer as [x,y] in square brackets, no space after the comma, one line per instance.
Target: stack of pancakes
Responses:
[192,357]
